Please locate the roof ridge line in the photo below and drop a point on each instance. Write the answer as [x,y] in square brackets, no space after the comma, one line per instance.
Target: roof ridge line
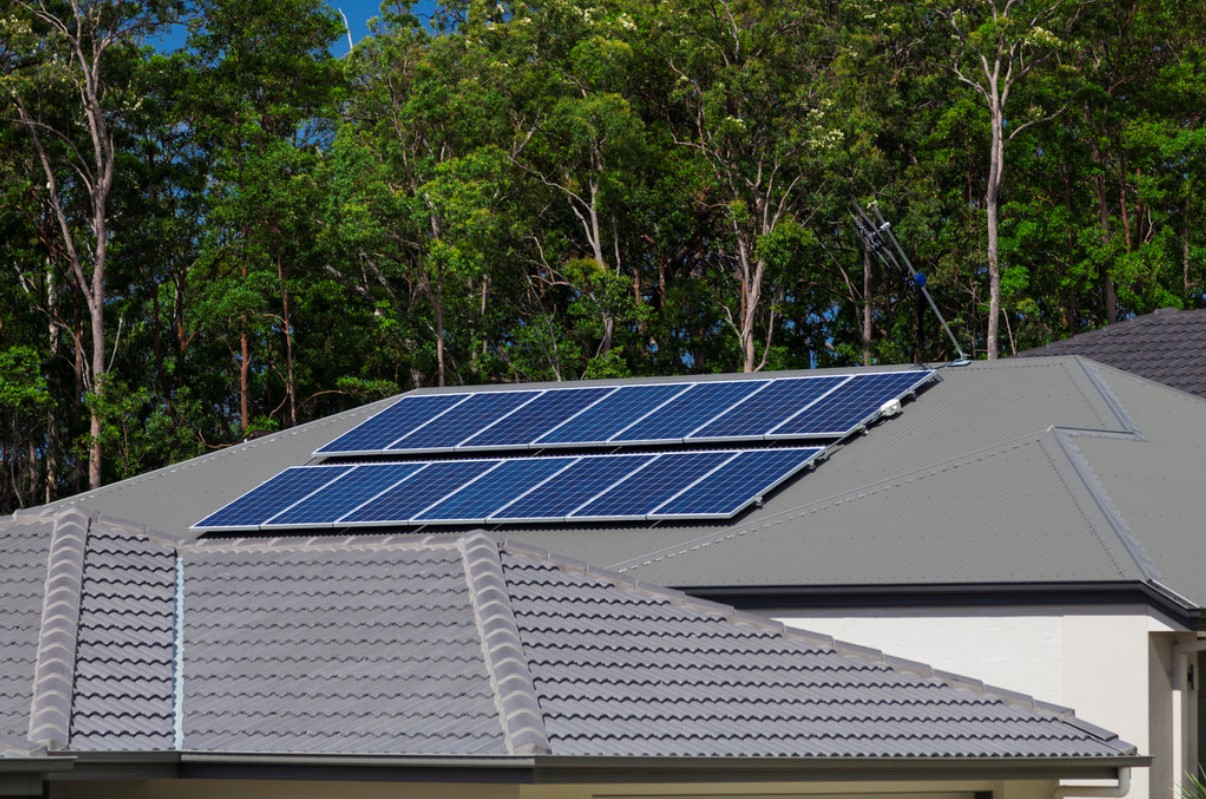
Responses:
[339,542]
[512,681]
[789,514]
[842,648]
[1091,370]
[1065,440]
[54,666]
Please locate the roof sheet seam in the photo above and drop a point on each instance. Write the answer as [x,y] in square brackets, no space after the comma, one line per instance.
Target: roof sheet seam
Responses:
[54,672]
[799,512]
[514,688]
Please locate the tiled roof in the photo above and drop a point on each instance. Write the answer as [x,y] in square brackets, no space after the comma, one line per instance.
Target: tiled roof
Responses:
[24,545]
[1168,346]
[462,646]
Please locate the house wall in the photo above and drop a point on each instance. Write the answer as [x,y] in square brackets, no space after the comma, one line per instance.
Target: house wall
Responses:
[293,789]
[1109,664]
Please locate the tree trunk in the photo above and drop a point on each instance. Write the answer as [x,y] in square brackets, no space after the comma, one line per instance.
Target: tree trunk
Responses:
[996,166]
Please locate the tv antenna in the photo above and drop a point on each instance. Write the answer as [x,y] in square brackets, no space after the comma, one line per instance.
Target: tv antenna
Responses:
[876,233]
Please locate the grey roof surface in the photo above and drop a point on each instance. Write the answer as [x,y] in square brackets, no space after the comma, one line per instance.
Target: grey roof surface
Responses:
[1020,471]
[1168,346]
[24,547]
[466,645]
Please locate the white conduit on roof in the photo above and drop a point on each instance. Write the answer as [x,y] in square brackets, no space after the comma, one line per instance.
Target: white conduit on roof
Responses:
[178,662]
[1119,790]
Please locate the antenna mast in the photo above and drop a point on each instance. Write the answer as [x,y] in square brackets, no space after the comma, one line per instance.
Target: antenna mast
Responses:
[873,233]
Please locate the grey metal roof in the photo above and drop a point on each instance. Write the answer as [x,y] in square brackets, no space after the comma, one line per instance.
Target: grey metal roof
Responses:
[412,646]
[1016,472]
[1168,346]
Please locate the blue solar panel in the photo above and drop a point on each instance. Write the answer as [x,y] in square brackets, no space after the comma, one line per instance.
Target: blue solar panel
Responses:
[737,483]
[612,414]
[758,414]
[464,420]
[537,417]
[272,497]
[851,404]
[402,502]
[573,487]
[689,410]
[399,419]
[653,485]
[479,499]
[344,495]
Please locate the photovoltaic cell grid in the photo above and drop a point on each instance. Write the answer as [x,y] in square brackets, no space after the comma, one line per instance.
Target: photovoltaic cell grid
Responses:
[710,484]
[658,413]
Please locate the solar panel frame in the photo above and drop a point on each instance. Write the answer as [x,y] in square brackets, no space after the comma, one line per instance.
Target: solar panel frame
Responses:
[433,515]
[467,446]
[402,471]
[257,493]
[445,427]
[669,459]
[397,408]
[861,420]
[687,398]
[373,513]
[753,401]
[810,454]
[634,461]
[612,427]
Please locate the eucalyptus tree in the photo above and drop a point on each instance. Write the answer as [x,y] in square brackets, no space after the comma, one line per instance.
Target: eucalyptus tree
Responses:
[63,70]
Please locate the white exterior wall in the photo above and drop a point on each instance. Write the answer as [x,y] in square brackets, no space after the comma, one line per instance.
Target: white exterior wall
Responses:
[1109,664]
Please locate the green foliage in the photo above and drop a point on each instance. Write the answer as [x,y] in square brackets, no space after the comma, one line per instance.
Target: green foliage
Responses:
[573,189]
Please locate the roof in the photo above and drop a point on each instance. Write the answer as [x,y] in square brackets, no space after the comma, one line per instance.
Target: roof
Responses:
[459,646]
[1168,346]
[1034,472]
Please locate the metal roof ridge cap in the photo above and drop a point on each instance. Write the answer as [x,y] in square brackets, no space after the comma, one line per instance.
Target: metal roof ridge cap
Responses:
[502,647]
[1093,372]
[54,665]
[1097,491]
[789,514]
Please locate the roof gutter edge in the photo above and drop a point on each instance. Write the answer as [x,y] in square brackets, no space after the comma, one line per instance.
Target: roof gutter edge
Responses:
[687,769]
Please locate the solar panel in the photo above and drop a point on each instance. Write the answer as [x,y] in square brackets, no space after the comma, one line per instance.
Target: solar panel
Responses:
[657,482]
[462,421]
[494,489]
[740,481]
[536,418]
[575,486]
[271,497]
[757,415]
[850,405]
[410,497]
[689,410]
[611,414]
[396,421]
[344,495]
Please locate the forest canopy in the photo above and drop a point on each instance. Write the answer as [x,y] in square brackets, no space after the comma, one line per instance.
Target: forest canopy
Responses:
[244,233]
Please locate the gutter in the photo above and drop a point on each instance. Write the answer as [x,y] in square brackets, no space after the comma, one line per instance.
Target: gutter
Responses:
[1115,791]
[554,769]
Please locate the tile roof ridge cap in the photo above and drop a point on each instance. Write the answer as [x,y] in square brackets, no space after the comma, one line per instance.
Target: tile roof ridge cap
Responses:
[514,687]
[54,665]
[319,543]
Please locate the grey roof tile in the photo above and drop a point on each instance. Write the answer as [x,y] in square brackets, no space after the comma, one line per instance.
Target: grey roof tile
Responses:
[1168,346]
[618,675]
[24,547]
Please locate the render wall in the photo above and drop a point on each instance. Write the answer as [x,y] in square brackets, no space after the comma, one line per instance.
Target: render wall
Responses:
[1111,665]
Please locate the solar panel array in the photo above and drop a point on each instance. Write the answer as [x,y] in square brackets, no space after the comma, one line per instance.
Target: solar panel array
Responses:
[691,484]
[825,406]
[517,485]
